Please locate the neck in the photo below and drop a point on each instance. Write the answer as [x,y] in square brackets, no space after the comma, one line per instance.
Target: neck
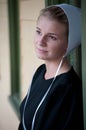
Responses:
[51,68]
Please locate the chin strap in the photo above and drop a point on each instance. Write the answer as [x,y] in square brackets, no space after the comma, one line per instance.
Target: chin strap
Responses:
[60,64]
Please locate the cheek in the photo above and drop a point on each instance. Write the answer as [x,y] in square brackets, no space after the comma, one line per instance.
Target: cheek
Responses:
[35,41]
[53,49]
[35,44]
[59,50]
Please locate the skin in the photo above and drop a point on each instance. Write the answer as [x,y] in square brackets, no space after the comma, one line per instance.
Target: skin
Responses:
[51,42]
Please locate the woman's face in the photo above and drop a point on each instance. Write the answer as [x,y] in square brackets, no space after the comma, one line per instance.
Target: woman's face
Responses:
[51,39]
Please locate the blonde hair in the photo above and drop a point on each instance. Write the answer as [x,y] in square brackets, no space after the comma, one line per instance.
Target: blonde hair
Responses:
[54,13]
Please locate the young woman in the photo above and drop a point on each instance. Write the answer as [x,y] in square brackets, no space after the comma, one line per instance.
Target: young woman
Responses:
[54,101]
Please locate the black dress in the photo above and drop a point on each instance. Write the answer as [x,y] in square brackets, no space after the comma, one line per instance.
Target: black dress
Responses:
[62,109]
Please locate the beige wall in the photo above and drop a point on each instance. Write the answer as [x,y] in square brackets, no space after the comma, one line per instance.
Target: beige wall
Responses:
[8,119]
[29,11]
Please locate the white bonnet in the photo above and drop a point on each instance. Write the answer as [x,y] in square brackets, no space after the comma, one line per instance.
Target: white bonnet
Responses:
[74,18]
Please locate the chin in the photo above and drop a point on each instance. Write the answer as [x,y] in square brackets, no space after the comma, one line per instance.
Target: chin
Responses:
[41,57]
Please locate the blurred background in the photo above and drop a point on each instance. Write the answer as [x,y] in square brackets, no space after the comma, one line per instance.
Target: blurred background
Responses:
[17,57]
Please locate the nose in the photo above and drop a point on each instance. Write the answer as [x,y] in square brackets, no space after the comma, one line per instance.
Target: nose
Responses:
[42,40]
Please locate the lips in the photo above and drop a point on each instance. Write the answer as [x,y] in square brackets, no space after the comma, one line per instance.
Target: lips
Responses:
[40,50]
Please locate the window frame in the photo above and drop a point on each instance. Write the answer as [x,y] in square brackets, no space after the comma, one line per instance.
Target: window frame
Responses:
[13,13]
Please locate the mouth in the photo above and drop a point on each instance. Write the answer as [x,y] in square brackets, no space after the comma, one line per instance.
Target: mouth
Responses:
[41,50]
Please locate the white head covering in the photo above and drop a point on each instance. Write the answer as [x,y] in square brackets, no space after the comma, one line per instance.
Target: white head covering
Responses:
[74,18]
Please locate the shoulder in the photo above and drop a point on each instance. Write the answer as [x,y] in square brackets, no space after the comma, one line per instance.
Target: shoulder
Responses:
[38,71]
[72,76]
[73,82]
[40,68]
[75,76]
[69,80]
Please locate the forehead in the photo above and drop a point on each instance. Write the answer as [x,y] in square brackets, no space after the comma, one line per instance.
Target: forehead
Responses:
[45,23]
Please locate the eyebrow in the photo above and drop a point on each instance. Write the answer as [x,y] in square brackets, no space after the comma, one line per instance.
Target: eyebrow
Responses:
[38,28]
